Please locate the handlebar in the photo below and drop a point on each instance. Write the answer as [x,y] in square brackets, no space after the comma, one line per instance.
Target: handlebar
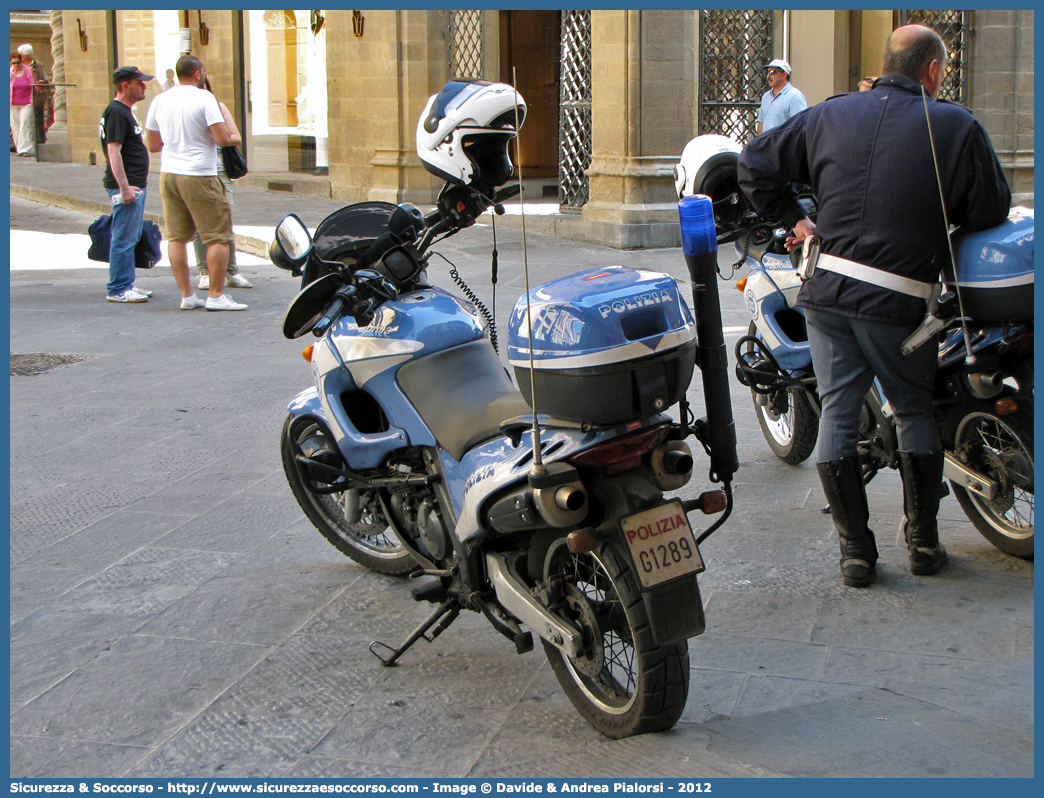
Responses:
[333,311]
[458,207]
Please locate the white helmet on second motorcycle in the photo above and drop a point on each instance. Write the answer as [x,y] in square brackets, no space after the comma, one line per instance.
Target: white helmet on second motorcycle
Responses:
[706,161]
[708,166]
[464,132]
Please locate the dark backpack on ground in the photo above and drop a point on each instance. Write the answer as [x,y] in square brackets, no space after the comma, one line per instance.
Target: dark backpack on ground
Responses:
[100,232]
[147,253]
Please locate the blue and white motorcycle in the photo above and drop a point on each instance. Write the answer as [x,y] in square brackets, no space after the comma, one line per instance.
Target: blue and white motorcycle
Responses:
[546,507]
[984,404]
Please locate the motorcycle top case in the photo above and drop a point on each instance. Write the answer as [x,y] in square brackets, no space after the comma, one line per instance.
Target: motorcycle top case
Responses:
[609,345]
[995,269]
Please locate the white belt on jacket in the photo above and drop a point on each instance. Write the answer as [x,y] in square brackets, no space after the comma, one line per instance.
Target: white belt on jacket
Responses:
[879,277]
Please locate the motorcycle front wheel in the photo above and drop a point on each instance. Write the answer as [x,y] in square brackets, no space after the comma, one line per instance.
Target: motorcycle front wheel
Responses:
[624,684]
[370,541]
[787,420]
[1002,448]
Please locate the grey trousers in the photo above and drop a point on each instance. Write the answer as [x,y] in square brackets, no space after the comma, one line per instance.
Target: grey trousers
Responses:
[847,354]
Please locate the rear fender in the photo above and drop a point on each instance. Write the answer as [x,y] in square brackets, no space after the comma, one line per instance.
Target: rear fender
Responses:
[675,608]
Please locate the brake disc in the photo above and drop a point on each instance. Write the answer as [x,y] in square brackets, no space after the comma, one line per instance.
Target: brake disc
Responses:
[592,662]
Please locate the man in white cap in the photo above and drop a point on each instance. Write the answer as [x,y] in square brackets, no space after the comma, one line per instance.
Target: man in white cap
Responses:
[782,100]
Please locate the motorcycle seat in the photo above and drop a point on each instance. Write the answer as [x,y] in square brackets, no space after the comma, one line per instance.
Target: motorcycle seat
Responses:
[463,394]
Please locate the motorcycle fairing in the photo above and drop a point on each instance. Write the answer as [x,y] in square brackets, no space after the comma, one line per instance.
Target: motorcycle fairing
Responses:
[496,464]
[461,413]
[415,325]
[430,317]
[764,300]
[951,343]
[369,449]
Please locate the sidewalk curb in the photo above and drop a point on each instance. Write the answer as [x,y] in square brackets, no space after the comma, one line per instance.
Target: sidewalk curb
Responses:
[248,244]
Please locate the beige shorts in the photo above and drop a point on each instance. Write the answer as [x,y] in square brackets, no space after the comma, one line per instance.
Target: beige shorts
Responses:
[194,203]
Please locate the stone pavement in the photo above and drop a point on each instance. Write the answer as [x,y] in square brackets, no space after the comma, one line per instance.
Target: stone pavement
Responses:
[173,614]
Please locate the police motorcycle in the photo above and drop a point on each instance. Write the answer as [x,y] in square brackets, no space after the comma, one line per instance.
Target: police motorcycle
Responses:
[544,506]
[984,403]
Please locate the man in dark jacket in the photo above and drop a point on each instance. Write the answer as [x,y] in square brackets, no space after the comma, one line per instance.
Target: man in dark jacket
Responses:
[868,158]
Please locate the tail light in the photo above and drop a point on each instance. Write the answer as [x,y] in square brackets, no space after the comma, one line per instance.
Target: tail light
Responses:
[621,454]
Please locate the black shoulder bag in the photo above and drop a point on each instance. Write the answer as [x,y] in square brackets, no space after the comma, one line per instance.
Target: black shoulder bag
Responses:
[235,166]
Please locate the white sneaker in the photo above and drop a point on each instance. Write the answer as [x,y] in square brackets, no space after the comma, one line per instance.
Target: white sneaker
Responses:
[191,302]
[204,282]
[130,295]
[224,302]
[142,291]
[237,281]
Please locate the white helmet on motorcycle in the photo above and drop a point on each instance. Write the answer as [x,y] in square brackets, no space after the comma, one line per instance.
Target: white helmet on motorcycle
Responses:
[708,166]
[705,161]
[464,132]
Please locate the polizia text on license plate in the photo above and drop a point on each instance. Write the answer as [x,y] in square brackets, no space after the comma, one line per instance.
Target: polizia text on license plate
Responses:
[662,544]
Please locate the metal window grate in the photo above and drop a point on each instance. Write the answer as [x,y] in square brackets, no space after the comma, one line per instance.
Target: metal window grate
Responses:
[955,29]
[574,126]
[465,35]
[734,47]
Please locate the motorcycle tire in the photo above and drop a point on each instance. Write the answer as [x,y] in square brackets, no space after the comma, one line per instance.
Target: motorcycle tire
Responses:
[625,684]
[1002,448]
[792,434]
[370,542]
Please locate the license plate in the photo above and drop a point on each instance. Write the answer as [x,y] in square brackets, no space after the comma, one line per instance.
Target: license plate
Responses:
[662,544]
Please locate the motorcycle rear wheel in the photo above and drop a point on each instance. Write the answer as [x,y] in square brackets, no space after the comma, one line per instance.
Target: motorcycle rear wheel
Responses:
[370,542]
[1002,448]
[792,434]
[624,684]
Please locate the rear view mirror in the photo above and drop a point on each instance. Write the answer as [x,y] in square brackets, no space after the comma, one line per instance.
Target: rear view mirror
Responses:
[292,243]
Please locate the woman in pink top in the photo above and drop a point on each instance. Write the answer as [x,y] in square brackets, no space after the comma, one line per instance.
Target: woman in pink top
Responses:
[22,81]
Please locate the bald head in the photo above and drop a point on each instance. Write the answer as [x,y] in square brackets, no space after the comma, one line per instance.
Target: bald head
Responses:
[911,49]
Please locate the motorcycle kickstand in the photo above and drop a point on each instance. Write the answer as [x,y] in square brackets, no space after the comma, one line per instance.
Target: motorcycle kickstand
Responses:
[449,608]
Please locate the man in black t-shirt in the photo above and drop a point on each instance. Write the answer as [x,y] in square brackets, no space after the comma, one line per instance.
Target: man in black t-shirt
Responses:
[126,173]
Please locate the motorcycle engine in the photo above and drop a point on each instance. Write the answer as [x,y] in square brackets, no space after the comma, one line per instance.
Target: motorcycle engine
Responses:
[417,514]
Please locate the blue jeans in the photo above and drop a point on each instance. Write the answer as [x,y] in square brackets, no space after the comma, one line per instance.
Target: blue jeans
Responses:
[847,354]
[126,231]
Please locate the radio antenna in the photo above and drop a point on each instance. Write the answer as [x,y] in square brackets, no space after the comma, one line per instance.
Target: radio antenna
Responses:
[969,356]
[537,467]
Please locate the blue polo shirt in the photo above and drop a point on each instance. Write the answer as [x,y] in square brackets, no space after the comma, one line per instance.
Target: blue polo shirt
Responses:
[777,110]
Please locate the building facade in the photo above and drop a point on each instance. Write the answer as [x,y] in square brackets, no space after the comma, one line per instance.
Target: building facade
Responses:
[614,95]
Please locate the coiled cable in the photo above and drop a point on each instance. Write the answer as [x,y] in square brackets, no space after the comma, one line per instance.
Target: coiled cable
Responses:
[491,324]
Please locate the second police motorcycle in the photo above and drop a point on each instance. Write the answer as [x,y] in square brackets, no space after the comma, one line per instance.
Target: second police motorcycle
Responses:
[545,506]
[984,386]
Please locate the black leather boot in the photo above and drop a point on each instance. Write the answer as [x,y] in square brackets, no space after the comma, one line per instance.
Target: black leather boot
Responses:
[922,480]
[843,485]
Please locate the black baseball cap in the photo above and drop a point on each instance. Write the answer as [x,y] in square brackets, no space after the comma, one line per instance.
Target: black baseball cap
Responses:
[129,73]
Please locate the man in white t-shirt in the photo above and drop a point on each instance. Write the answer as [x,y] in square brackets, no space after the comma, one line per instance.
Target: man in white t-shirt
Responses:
[187,124]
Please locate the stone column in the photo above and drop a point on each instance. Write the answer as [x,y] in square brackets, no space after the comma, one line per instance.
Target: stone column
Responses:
[57,147]
[378,85]
[642,105]
[1001,94]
